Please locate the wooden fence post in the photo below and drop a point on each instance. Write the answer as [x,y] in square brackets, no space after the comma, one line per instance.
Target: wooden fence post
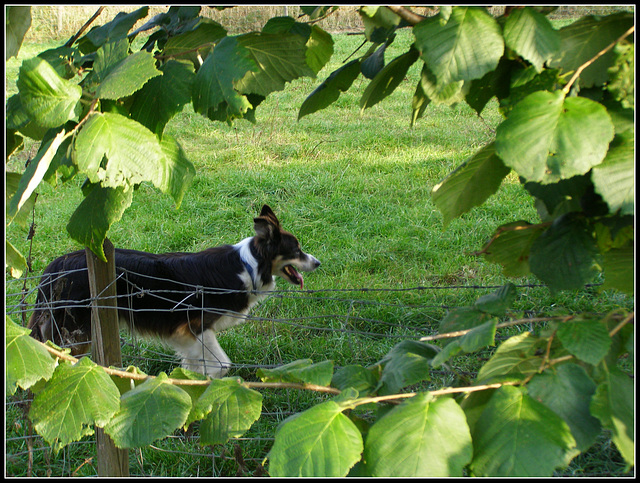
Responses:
[105,347]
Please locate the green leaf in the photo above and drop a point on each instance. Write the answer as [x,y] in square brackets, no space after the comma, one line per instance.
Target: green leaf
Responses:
[100,209]
[517,436]
[177,170]
[14,260]
[328,92]
[531,35]
[567,390]
[584,39]
[422,437]
[321,441]
[128,76]
[470,184]
[23,216]
[228,408]
[114,30]
[133,152]
[497,303]
[617,264]
[516,357]
[614,179]
[613,404]
[34,173]
[451,49]
[386,81]
[565,256]
[163,96]
[408,362]
[149,412]
[203,36]
[355,377]
[76,397]
[18,22]
[279,59]
[586,339]
[510,247]
[548,137]
[27,361]
[214,88]
[47,98]
[479,337]
[302,371]
[622,75]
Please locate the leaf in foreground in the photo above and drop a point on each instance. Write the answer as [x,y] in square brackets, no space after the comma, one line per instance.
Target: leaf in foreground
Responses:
[318,442]
[149,412]
[421,437]
[27,361]
[75,398]
[518,436]
[230,409]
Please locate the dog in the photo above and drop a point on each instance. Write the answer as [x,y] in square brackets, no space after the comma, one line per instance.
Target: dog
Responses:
[184,299]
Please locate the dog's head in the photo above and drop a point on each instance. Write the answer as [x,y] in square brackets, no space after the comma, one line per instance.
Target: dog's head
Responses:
[281,249]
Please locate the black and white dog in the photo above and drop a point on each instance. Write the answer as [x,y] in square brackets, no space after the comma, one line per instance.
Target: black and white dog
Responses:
[184,299]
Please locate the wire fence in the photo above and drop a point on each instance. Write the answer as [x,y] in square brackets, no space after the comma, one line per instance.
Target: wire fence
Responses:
[349,326]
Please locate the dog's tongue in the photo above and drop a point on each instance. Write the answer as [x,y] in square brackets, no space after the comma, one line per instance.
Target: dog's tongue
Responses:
[293,273]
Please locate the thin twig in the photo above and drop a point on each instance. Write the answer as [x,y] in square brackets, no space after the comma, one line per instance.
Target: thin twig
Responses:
[579,70]
[73,39]
[404,13]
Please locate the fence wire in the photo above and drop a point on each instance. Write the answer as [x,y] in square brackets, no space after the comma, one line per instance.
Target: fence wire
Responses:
[363,323]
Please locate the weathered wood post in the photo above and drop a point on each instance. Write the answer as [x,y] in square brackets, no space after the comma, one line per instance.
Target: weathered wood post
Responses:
[105,347]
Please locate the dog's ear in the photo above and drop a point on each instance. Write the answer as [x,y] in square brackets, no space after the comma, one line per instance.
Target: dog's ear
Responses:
[267,225]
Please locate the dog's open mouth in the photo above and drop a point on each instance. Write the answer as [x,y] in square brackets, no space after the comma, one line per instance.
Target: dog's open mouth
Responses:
[293,275]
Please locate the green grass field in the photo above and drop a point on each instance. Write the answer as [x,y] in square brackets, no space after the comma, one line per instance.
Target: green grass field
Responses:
[355,188]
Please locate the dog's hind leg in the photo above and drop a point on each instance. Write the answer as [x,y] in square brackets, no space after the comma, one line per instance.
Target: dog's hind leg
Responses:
[203,354]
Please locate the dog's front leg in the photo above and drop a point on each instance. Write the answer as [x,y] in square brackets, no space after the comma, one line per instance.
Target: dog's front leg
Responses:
[204,355]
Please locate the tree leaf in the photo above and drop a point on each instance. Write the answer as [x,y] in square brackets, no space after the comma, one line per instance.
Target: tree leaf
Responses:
[328,92]
[214,88]
[567,390]
[388,79]
[76,397]
[34,173]
[531,35]
[177,170]
[614,179]
[27,361]
[470,184]
[565,256]
[18,23]
[114,30]
[408,362]
[203,36]
[515,358]
[587,339]
[47,98]
[127,76]
[584,39]
[133,152]
[617,264]
[479,337]
[547,138]
[163,96]
[100,209]
[613,404]
[356,377]
[510,247]
[517,436]
[320,441]
[279,59]
[451,49]
[228,408]
[422,437]
[149,412]
[301,371]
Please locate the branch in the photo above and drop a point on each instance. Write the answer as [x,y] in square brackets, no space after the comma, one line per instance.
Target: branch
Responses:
[404,13]
[579,70]
[73,39]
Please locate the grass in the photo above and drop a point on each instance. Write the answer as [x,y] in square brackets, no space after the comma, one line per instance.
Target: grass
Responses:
[355,188]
